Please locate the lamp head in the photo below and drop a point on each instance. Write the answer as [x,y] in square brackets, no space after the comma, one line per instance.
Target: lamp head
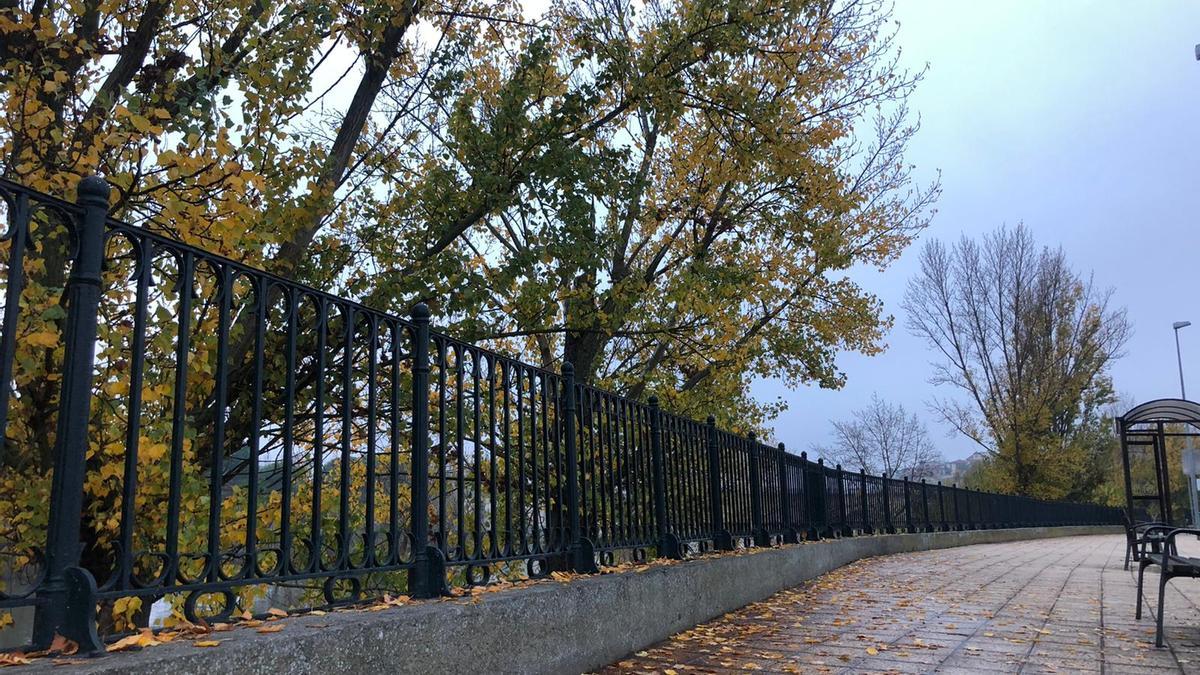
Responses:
[1181,324]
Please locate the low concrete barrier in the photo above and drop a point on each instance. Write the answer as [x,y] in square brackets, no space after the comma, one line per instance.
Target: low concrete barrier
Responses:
[547,628]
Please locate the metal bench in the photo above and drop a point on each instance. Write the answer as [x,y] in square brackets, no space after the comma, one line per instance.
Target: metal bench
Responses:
[1156,546]
[1136,526]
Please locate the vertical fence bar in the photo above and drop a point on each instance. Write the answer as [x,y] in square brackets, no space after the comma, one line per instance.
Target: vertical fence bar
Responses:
[954,494]
[866,505]
[757,529]
[581,552]
[847,530]
[814,494]
[790,535]
[427,578]
[722,539]
[945,526]
[925,505]
[970,521]
[888,526]
[908,521]
[668,543]
[69,591]
[825,529]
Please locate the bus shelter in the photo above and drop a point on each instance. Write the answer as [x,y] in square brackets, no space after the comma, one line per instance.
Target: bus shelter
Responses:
[1156,441]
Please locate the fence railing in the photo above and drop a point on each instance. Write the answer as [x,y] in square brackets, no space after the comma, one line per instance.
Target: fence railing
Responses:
[217,430]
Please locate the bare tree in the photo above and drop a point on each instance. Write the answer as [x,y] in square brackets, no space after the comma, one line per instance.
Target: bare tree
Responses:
[1025,338]
[883,438]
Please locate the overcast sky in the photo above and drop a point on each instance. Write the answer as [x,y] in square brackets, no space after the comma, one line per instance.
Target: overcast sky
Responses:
[1081,119]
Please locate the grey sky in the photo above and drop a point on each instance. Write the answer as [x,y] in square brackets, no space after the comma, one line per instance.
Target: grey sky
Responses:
[1081,119]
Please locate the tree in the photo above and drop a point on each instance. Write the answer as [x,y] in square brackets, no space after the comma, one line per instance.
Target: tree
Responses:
[882,439]
[698,236]
[1028,341]
[667,195]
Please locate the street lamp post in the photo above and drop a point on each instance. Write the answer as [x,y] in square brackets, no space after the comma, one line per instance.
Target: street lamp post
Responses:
[1189,460]
[1179,356]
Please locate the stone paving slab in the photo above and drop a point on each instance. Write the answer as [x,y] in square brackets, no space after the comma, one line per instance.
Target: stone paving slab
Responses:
[1048,606]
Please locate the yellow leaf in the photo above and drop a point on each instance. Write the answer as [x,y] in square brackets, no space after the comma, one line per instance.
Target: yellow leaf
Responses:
[155,451]
[42,339]
[872,651]
[271,629]
[141,123]
[206,643]
[146,638]
[126,643]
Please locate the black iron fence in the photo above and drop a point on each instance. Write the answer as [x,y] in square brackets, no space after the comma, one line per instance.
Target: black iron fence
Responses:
[215,430]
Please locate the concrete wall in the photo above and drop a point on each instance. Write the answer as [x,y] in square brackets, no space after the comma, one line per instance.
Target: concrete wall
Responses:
[547,628]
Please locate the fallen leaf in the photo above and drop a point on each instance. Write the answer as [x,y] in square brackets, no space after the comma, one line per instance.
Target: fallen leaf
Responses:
[13,659]
[63,646]
[271,629]
[277,612]
[143,639]
[206,643]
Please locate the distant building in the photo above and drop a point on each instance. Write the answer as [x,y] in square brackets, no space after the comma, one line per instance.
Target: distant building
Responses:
[955,471]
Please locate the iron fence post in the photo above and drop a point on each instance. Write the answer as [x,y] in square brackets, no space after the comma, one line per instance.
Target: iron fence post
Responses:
[581,552]
[790,535]
[908,521]
[847,531]
[427,578]
[866,502]
[888,526]
[967,494]
[814,497]
[945,525]
[757,529]
[822,525]
[954,497]
[722,539]
[668,543]
[925,505]
[68,592]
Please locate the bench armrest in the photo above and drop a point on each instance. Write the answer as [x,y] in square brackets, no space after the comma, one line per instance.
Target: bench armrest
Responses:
[1153,538]
[1181,530]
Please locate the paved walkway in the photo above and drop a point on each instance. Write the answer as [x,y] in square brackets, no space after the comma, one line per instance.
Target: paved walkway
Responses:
[1049,606]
